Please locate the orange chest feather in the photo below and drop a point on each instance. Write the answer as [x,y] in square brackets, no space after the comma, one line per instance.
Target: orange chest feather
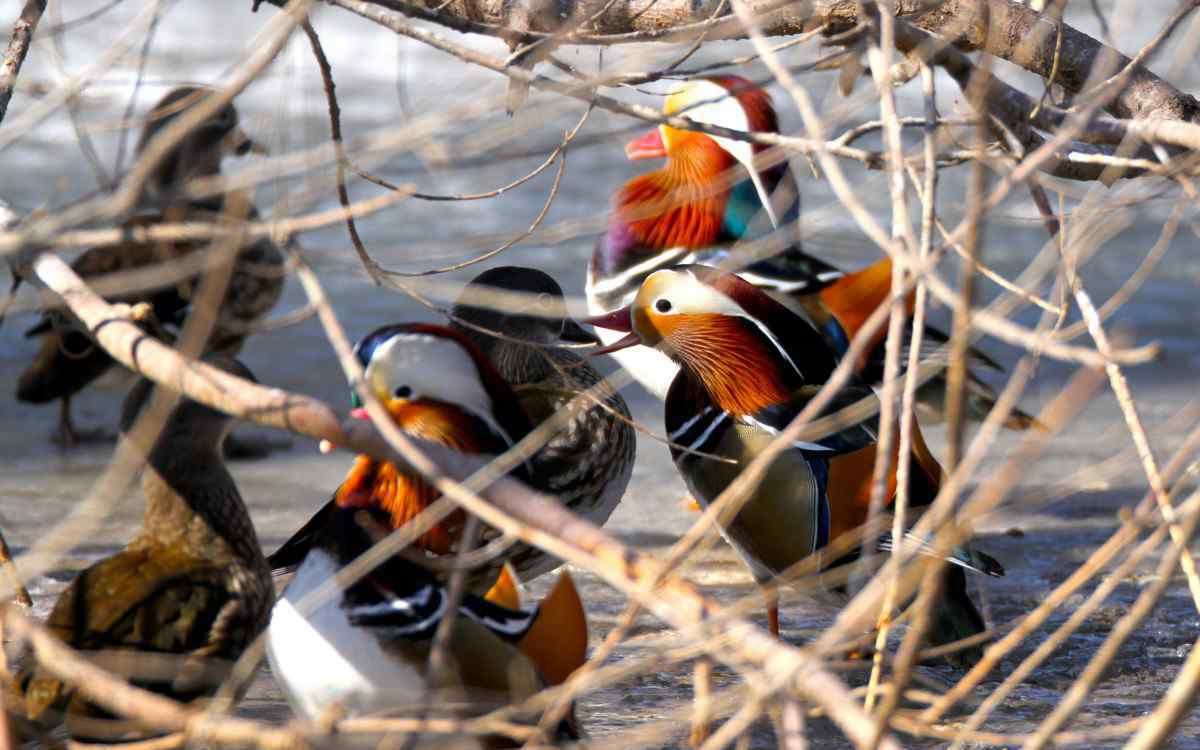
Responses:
[683,204]
[662,216]
[849,488]
[378,484]
[855,296]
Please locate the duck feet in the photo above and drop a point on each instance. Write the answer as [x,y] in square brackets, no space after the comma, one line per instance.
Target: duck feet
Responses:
[861,653]
[68,435]
[72,437]
[251,448]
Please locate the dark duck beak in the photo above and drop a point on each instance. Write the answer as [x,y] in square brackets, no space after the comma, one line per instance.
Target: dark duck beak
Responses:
[573,333]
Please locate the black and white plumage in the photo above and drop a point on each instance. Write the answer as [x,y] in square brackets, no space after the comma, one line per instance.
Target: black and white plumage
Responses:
[365,648]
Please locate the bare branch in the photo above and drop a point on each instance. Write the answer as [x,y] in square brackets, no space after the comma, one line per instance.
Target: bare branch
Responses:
[18,47]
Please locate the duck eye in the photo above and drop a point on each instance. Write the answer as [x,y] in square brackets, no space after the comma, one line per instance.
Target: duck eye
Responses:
[403,392]
[663,305]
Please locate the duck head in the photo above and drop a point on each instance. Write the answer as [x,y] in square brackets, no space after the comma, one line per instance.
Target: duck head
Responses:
[712,187]
[199,153]
[535,312]
[437,386]
[744,348]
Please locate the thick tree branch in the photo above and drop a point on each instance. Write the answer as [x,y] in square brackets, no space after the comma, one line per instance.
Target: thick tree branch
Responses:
[1004,28]
[1072,159]
[1021,35]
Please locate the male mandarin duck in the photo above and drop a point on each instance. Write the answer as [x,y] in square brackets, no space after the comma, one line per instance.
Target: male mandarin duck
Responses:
[365,649]
[437,386]
[748,366]
[177,606]
[68,359]
[587,464]
[714,192]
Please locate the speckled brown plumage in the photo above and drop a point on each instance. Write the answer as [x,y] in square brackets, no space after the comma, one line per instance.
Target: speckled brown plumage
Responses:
[589,461]
[68,360]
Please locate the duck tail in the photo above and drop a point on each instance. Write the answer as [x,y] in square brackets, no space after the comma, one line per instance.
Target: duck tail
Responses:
[1019,421]
[979,398]
[558,638]
[957,618]
[505,592]
[66,362]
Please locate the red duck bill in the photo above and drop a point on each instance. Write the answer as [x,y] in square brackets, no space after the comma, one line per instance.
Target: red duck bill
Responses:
[649,146]
[619,320]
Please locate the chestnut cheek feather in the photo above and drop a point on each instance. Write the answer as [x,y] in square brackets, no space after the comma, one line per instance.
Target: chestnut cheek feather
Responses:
[358,489]
[734,369]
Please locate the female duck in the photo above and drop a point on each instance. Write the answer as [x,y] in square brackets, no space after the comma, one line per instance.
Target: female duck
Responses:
[177,606]
[589,460]
[68,360]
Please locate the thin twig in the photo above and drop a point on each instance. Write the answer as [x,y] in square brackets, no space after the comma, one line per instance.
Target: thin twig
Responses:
[18,48]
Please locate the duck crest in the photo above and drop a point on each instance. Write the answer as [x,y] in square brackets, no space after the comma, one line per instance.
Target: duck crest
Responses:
[755,101]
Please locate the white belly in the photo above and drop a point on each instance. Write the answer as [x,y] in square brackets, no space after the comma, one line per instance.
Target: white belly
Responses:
[649,367]
[320,659]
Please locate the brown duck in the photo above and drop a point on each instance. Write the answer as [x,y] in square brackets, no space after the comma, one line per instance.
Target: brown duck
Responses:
[68,359]
[177,606]
[588,463]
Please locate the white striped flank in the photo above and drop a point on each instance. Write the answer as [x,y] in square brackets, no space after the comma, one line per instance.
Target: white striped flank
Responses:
[800,444]
[404,608]
[512,626]
[678,433]
[708,431]
[320,659]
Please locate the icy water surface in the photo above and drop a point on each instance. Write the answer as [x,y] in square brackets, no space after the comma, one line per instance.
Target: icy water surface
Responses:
[384,83]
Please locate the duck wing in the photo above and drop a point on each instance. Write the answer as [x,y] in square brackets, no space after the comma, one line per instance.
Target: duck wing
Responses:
[166,620]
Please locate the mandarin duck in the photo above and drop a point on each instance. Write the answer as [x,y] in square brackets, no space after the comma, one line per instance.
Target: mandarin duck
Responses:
[175,608]
[587,464]
[748,366]
[365,649]
[714,192]
[437,386]
[68,359]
